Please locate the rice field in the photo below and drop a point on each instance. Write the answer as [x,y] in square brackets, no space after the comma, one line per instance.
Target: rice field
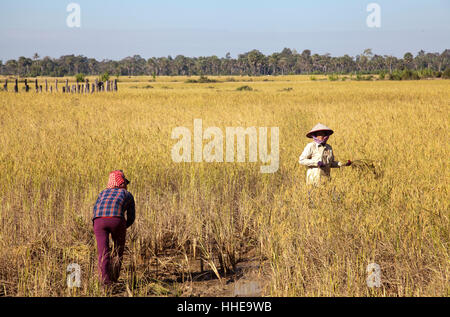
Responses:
[391,208]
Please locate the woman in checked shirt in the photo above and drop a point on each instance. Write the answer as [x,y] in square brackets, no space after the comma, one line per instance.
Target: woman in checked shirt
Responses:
[110,209]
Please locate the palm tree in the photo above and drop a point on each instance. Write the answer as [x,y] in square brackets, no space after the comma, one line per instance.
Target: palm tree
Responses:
[408,59]
[255,60]
[389,60]
[273,62]
[306,61]
[283,64]
[92,65]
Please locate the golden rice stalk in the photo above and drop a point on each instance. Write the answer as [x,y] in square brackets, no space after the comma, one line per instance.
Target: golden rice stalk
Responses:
[368,166]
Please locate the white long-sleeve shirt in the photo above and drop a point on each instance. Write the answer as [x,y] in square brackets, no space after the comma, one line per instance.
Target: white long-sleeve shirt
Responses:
[313,154]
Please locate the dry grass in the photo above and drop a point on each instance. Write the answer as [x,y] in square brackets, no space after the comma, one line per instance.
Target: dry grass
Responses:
[391,208]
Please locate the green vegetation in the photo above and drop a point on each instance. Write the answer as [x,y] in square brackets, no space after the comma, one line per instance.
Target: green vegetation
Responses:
[201,80]
[253,63]
[80,78]
[104,76]
[333,77]
[244,88]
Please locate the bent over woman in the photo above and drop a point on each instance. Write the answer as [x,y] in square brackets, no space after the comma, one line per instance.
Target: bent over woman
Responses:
[114,212]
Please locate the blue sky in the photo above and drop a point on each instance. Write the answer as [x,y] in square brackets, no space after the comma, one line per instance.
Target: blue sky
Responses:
[115,29]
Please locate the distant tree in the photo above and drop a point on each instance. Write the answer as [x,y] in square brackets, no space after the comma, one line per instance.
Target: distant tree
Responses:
[368,53]
[11,67]
[255,60]
[408,60]
[389,61]
[306,54]
[446,73]
[273,62]
[288,61]
[283,62]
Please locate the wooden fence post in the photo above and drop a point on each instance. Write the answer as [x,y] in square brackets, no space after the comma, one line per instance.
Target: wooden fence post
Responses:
[36,85]
[115,84]
[5,86]
[27,88]
[46,86]
[51,89]
[16,86]
[67,86]
[40,88]
[56,85]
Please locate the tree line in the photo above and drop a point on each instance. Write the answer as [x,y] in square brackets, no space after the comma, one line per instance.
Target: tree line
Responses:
[252,63]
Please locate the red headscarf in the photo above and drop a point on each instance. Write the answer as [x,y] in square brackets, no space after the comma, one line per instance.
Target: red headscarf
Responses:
[116,178]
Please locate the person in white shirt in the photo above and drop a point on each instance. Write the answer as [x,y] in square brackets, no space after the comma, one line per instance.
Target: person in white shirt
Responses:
[318,155]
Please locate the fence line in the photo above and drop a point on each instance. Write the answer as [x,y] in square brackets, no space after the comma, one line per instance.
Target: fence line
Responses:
[84,88]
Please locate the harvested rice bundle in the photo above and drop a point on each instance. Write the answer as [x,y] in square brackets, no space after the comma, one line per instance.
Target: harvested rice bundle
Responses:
[368,166]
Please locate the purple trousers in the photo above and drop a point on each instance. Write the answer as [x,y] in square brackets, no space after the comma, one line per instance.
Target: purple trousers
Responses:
[109,264]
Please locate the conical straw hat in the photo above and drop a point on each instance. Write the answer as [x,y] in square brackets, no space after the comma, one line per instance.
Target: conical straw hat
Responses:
[319,127]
